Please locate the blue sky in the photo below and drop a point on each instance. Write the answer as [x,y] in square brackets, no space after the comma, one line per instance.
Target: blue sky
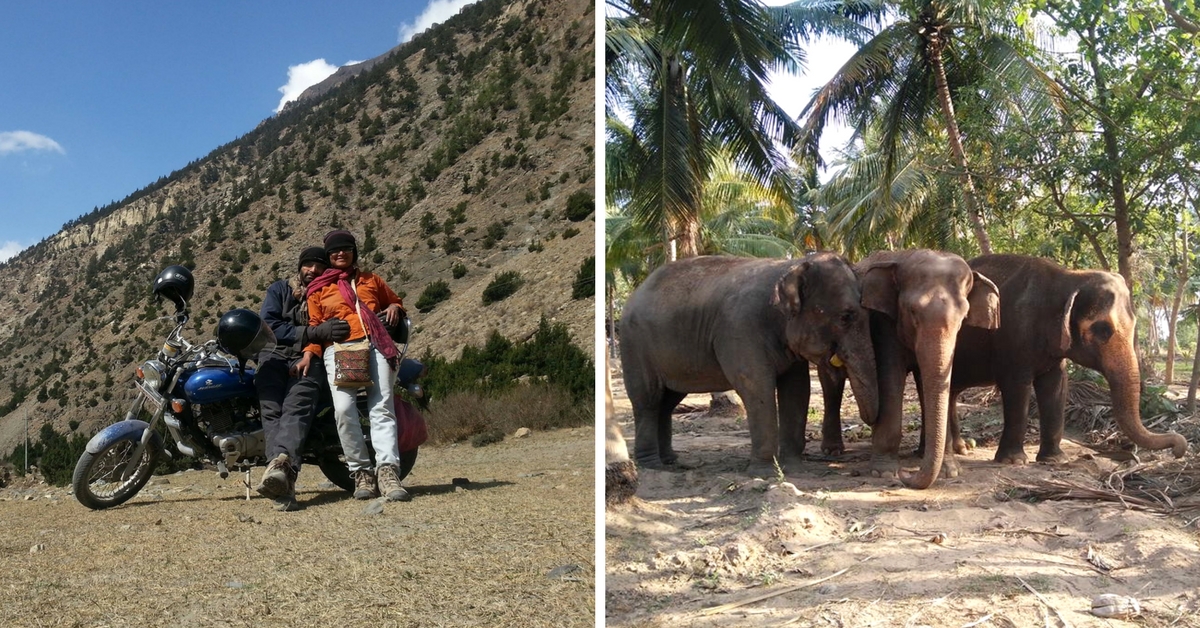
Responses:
[100,99]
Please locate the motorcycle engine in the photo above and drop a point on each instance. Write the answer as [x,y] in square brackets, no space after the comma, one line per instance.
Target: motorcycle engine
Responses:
[234,427]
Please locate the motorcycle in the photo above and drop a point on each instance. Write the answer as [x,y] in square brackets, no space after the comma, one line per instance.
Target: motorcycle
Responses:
[208,402]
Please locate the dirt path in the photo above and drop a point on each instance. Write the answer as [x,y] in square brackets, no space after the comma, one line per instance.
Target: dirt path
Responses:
[515,548]
[830,546]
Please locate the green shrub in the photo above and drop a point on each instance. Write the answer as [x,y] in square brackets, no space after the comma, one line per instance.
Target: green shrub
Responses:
[459,270]
[580,205]
[549,356]
[502,287]
[433,294]
[584,286]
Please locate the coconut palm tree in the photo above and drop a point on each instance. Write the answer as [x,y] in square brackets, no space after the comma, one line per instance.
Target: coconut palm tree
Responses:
[691,77]
[912,70]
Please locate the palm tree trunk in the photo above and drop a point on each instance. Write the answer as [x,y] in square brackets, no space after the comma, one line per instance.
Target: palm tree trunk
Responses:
[956,147]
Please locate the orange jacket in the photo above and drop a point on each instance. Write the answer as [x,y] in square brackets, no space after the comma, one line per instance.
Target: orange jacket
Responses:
[328,303]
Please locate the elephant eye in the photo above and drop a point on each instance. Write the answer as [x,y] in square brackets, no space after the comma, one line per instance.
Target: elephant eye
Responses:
[848,316]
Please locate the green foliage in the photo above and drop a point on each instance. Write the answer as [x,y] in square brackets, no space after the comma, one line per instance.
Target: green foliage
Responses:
[433,294]
[459,270]
[580,205]
[502,287]
[499,365]
[584,286]
[54,455]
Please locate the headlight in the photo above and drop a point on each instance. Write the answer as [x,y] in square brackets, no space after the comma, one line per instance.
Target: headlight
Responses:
[151,372]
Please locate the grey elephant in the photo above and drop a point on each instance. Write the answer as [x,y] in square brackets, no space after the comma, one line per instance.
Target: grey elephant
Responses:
[919,300]
[716,323]
[1050,315]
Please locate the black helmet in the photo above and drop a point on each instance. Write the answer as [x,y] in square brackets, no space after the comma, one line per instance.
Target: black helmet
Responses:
[242,333]
[175,283]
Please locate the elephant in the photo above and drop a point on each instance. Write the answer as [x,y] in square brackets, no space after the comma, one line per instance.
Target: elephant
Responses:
[620,474]
[1051,314]
[716,323]
[918,302]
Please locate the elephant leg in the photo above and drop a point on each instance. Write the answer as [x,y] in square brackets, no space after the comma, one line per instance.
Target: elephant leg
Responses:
[1051,390]
[670,399]
[893,371]
[953,428]
[646,400]
[792,389]
[756,387]
[833,386]
[1014,397]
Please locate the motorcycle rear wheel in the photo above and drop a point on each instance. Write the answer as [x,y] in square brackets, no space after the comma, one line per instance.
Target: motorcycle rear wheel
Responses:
[334,468]
[97,479]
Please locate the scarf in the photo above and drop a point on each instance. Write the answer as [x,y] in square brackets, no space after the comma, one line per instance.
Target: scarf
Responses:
[376,332]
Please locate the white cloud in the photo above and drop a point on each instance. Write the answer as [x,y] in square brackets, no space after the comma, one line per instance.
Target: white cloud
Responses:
[302,77]
[438,11]
[9,249]
[16,141]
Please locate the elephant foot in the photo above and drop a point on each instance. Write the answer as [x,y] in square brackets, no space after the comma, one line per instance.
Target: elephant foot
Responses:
[885,466]
[763,469]
[950,466]
[1011,457]
[961,447]
[1053,456]
[833,448]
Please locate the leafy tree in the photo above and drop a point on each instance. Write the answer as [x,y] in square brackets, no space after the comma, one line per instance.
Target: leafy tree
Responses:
[913,67]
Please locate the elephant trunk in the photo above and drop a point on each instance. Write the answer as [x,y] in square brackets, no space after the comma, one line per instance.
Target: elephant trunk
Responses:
[1124,380]
[935,357]
[859,358]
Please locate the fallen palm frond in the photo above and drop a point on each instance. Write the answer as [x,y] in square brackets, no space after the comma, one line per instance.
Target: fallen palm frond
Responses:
[1089,410]
[1170,487]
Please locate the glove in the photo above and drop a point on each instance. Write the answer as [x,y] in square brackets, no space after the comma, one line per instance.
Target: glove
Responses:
[332,330]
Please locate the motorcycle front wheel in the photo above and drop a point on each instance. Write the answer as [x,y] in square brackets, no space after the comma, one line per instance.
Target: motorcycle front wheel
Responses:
[97,479]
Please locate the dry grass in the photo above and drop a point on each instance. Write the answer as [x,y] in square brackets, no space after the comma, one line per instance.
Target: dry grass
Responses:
[1170,487]
[192,552]
[461,416]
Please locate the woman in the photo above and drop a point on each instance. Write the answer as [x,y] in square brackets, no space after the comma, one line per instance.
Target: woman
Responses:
[332,295]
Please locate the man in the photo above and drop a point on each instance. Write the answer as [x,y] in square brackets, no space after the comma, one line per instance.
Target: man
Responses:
[287,397]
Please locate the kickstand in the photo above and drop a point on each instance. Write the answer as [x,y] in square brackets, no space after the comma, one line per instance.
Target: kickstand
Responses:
[247,483]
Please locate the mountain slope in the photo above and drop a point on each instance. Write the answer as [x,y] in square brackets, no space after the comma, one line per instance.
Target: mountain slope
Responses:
[453,159]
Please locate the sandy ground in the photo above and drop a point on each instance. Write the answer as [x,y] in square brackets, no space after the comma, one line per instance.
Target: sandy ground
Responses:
[828,545]
[513,548]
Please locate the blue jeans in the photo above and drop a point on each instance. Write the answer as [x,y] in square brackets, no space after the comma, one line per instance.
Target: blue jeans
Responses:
[381,411]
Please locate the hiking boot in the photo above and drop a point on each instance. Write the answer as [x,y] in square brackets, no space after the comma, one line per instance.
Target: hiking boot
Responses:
[364,484]
[389,484]
[287,503]
[278,480]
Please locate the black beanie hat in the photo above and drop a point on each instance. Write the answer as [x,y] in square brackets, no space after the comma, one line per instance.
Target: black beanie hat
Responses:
[313,254]
[340,238]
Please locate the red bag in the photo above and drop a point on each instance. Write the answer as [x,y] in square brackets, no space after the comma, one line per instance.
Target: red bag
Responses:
[410,425]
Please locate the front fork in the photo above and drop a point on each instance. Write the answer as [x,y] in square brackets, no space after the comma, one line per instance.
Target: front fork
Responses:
[134,411]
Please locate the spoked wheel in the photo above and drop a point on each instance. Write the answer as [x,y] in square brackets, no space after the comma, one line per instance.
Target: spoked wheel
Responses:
[97,479]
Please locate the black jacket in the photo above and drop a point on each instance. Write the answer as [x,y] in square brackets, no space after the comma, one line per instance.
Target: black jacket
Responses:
[281,312]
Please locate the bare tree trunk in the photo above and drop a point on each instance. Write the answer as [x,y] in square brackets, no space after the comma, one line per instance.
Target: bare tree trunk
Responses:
[1191,398]
[1181,285]
[956,147]
[1115,175]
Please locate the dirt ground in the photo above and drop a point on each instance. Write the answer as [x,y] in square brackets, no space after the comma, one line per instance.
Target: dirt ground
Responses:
[829,545]
[514,547]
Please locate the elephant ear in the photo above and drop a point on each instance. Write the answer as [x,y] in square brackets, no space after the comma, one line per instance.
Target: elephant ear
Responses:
[1065,340]
[984,301]
[879,289]
[787,291]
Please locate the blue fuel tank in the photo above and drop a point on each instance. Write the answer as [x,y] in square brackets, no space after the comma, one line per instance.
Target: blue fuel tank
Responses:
[210,385]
